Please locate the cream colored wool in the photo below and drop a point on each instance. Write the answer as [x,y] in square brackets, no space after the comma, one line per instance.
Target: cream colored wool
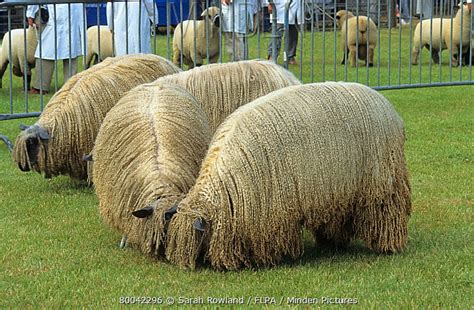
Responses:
[326,157]
[219,89]
[74,114]
[438,34]
[358,37]
[150,146]
[18,52]
[106,49]
[222,88]
[196,40]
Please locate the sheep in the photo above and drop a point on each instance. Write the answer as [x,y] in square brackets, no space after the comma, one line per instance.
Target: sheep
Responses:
[362,45]
[438,34]
[326,157]
[18,53]
[66,129]
[198,42]
[219,89]
[106,49]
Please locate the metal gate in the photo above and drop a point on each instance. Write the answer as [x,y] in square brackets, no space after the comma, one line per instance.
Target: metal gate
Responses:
[320,48]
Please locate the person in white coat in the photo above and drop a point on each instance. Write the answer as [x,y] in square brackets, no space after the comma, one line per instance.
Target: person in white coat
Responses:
[56,30]
[129,21]
[295,18]
[237,21]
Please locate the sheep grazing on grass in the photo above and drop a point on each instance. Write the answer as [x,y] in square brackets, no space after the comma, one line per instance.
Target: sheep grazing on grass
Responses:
[94,53]
[219,89]
[149,147]
[438,35]
[194,42]
[18,53]
[358,37]
[68,126]
[325,157]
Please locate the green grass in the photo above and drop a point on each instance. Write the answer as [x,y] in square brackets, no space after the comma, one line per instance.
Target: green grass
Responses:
[55,251]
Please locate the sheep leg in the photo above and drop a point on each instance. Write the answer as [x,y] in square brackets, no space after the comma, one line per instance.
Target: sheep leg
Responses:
[352,55]
[370,56]
[435,55]
[28,81]
[336,233]
[3,67]
[344,57]
[414,55]
[123,242]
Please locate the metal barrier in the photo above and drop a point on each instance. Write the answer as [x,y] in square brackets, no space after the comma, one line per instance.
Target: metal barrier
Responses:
[320,45]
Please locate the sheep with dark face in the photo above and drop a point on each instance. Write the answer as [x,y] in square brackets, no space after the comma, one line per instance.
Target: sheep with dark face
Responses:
[218,90]
[325,157]
[66,130]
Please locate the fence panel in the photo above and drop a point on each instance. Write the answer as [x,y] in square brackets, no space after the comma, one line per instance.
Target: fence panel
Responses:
[419,48]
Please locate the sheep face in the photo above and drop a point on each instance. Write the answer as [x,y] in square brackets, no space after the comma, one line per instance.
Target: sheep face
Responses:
[34,137]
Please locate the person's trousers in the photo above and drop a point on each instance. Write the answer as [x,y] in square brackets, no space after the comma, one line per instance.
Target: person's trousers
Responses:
[45,68]
[292,40]
[234,45]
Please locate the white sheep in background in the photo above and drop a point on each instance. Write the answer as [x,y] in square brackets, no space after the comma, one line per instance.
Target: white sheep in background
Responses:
[361,37]
[207,41]
[106,49]
[18,53]
[440,37]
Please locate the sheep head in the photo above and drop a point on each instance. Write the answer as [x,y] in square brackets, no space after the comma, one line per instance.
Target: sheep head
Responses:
[28,145]
[213,14]
[342,16]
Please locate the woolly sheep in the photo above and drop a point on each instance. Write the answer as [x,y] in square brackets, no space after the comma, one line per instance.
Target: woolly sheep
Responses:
[219,89]
[66,130]
[362,45]
[207,41]
[326,157]
[106,49]
[441,37]
[18,53]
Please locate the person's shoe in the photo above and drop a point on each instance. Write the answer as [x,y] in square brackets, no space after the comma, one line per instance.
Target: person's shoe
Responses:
[35,91]
[403,22]
[292,61]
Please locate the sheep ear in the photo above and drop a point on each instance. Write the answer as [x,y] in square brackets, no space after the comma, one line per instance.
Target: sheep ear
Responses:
[145,212]
[43,134]
[204,13]
[217,21]
[171,211]
[87,157]
[23,127]
[199,224]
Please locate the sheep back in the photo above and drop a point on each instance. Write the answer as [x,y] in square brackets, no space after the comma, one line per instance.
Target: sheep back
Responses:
[221,88]
[74,114]
[327,157]
[149,147]
[367,31]
[106,49]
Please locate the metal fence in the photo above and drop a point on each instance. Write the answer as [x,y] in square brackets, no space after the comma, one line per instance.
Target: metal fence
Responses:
[320,45]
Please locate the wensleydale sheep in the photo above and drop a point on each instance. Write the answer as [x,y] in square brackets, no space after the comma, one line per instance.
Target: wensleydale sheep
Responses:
[106,49]
[327,157]
[68,126]
[207,41]
[18,53]
[441,37]
[361,37]
[219,89]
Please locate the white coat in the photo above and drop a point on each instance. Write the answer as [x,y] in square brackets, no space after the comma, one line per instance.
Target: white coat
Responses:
[242,16]
[138,28]
[61,22]
[295,11]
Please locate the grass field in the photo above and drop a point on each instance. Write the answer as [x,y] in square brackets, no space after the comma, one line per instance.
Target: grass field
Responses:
[55,252]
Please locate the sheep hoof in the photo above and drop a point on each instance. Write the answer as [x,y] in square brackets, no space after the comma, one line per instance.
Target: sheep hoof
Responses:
[87,157]
[371,65]
[123,242]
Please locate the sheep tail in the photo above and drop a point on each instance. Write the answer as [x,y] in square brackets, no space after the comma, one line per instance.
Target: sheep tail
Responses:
[185,239]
